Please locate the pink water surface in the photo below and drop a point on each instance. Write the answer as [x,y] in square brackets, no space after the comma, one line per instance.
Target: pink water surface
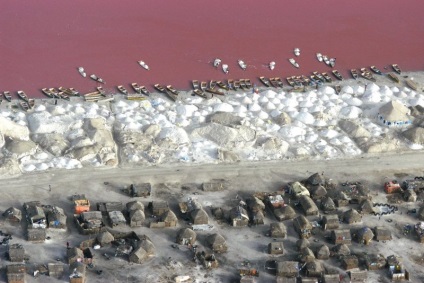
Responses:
[43,42]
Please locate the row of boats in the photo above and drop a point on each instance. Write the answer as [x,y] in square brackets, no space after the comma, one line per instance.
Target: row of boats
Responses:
[25,102]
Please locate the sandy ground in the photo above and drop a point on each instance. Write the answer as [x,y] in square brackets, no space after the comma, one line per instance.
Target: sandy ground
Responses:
[244,243]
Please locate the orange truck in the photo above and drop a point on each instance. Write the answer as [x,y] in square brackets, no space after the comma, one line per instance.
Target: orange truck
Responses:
[81,204]
[392,187]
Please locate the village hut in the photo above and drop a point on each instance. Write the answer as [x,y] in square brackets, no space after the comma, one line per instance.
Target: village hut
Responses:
[277,230]
[255,204]
[284,213]
[169,218]
[55,269]
[331,278]
[420,213]
[105,238]
[375,261]
[358,276]
[382,234]
[352,216]
[302,243]
[341,250]
[315,180]
[258,218]
[309,280]
[297,189]
[410,196]
[415,134]
[148,246]
[366,207]
[35,214]
[218,213]
[330,221]
[16,253]
[314,268]
[364,235]
[288,268]
[36,235]
[140,190]
[323,252]
[239,217]
[56,218]
[135,205]
[116,218]
[302,226]
[78,273]
[306,255]
[394,113]
[341,199]
[13,215]
[138,255]
[16,273]
[186,236]
[341,236]
[286,280]
[318,192]
[328,204]
[349,262]
[74,255]
[199,216]
[276,248]
[136,218]
[217,243]
[159,207]
[308,205]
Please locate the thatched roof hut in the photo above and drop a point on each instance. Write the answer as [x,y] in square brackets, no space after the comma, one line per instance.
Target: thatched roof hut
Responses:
[288,268]
[331,278]
[328,204]
[159,207]
[314,268]
[302,226]
[218,213]
[375,261]
[105,238]
[358,276]
[169,218]
[239,217]
[306,255]
[410,196]
[365,235]
[323,252]
[255,204]
[316,179]
[382,234]
[341,250]
[186,236]
[341,236]
[276,248]
[78,273]
[258,218]
[136,218]
[55,269]
[308,205]
[349,262]
[199,216]
[16,253]
[56,218]
[36,235]
[148,246]
[16,273]
[138,255]
[74,255]
[284,213]
[330,221]
[277,230]
[318,192]
[135,205]
[352,216]
[217,243]
[302,243]
[13,214]
[420,213]
[366,206]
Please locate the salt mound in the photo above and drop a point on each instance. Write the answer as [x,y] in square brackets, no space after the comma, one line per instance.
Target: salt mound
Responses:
[187,110]
[291,131]
[255,107]
[289,102]
[354,101]
[385,90]
[42,166]
[175,134]
[306,118]
[306,103]
[263,99]
[247,100]
[347,89]
[29,168]
[328,90]
[274,113]
[358,89]
[395,89]
[373,97]
[270,106]
[270,93]
[263,115]
[372,87]
[223,107]
[40,108]
[327,133]
[417,101]
[401,94]
[350,112]
[14,130]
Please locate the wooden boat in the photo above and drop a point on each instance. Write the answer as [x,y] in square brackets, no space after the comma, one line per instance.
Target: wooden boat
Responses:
[24,105]
[367,75]
[172,90]
[319,57]
[97,79]
[332,62]
[170,94]
[305,80]
[22,95]
[242,84]
[203,85]
[319,76]
[411,84]
[296,52]
[160,88]
[273,82]
[375,70]
[354,73]
[63,95]
[212,84]
[47,92]
[297,81]
[337,74]
[7,95]
[54,92]
[215,91]
[298,89]
[337,88]
[122,89]
[195,84]
[144,65]
[236,85]
[231,83]
[144,90]
[290,81]
[101,90]
[225,68]
[216,62]
[248,83]
[136,88]
[278,81]
[293,62]
[134,97]
[69,91]
[199,93]
[393,77]
[265,81]
[222,85]
[326,77]
[242,65]
[82,71]
[271,65]
[31,103]
[396,68]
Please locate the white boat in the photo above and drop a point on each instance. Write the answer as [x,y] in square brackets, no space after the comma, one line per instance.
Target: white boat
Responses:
[242,64]
[216,62]
[225,68]
[332,62]
[272,65]
[82,71]
[319,57]
[96,78]
[144,65]
[297,52]
[293,62]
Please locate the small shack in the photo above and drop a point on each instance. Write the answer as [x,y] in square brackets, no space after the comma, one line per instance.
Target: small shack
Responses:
[105,238]
[284,213]
[382,233]
[318,192]
[214,185]
[257,217]
[16,253]
[35,215]
[275,201]
[302,226]
[302,243]
[410,196]
[135,205]
[56,218]
[366,207]
[328,204]
[352,216]
[276,248]
[117,218]
[341,199]
[323,252]
[396,268]
[169,218]
[15,273]
[140,190]
[364,235]
[341,236]
[277,230]
[199,216]
[297,189]
[330,222]
[341,250]
[186,236]
[358,276]
[315,179]
[74,255]
[308,205]
[306,255]
[239,217]
[331,278]
[288,268]
[13,215]
[217,243]
[375,261]
[138,255]
[89,222]
[55,269]
[255,204]
[110,206]
[78,270]
[159,207]
[349,262]
[36,235]
[314,268]
[136,218]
